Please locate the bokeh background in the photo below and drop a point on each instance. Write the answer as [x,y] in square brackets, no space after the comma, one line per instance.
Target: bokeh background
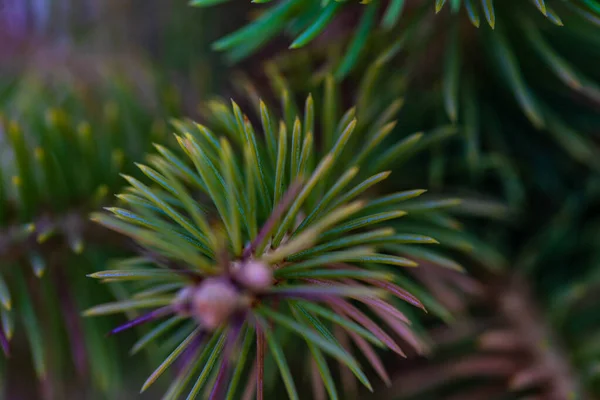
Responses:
[122,68]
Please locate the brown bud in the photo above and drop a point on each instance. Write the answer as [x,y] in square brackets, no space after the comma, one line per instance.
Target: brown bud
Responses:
[213,302]
[255,275]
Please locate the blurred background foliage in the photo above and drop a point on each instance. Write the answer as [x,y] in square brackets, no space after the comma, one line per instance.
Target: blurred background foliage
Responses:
[524,157]
[85,88]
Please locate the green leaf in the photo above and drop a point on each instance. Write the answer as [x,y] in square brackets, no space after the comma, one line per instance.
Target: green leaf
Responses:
[317,355]
[183,170]
[171,245]
[279,357]
[591,4]
[471,128]
[245,126]
[320,170]
[330,113]
[392,14]
[217,349]
[414,207]
[430,303]
[159,289]
[387,259]
[134,274]
[325,17]
[341,321]
[267,125]
[553,17]
[33,330]
[573,142]
[473,12]
[281,163]
[8,323]
[191,207]
[360,239]
[337,290]
[306,155]
[361,188]
[398,152]
[309,115]
[585,14]
[206,3]
[235,233]
[321,363]
[211,177]
[349,255]
[170,358]
[510,68]
[290,111]
[371,142]
[240,363]
[157,331]
[561,68]
[180,219]
[393,198]
[439,4]
[452,76]
[25,179]
[328,198]
[426,255]
[455,5]
[343,138]
[5,298]
[336,274]
[251,221]
[333,349]
[359,41]
[488,10]
[102,358]
[541,5]
[261,29]
[362,222]
[295,150]
[126,305]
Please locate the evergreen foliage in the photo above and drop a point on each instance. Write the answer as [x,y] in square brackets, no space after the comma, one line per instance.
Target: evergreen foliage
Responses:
[292,250]
[63,148]
[284,242]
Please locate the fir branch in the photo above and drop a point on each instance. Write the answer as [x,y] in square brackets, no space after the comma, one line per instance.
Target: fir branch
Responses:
[276,272]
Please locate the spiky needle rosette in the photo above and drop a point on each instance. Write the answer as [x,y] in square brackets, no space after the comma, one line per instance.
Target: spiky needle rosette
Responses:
[248,240]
